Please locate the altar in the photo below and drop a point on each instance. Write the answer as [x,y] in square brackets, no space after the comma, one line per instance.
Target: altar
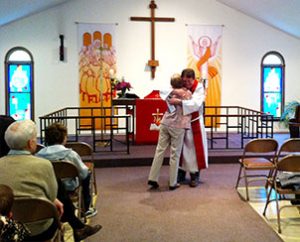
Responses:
[147,114]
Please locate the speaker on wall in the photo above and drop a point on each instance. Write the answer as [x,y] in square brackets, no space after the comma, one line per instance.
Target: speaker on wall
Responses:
[61,48]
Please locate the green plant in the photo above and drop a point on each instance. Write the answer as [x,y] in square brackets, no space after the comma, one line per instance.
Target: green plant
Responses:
[288,112]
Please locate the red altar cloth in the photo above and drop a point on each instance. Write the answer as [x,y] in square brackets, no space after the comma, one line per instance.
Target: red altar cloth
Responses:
[149,112]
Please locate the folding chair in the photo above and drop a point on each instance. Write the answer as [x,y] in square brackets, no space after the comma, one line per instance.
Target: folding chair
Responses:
[258,154]
[28,210]
[39,147]
[86,153]
[290,163]
[65,169]
[290,146]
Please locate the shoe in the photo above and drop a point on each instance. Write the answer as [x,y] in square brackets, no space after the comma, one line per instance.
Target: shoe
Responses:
[86,231]
[91,212]
[153,184]
[172,188]
[295,201]
[193,183]
[194,179]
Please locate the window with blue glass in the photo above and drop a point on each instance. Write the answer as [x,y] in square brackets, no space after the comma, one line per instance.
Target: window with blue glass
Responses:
[272,84]
[19,84]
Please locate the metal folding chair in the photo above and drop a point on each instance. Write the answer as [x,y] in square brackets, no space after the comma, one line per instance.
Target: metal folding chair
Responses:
[39,147]
[28,210]
[258,154]
[291,164]
[65,169]
[86,153]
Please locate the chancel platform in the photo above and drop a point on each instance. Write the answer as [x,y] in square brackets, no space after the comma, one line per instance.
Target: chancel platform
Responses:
[142,155]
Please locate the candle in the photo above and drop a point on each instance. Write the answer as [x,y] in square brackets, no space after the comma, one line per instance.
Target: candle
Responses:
[111,73]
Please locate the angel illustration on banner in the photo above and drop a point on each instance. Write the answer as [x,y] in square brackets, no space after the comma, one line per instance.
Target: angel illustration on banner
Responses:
[205,55]
[205,52]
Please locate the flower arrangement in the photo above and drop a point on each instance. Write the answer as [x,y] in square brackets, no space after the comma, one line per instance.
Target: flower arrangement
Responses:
[117,85]
[121,86]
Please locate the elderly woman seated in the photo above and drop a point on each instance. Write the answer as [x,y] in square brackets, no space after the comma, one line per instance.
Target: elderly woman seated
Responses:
[55,139]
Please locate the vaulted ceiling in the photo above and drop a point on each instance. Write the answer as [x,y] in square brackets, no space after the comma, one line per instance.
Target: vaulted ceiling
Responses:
[12,10]
[280,14]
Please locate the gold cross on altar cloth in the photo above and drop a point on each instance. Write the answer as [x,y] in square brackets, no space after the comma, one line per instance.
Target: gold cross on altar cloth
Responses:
[157,117]
[152,62]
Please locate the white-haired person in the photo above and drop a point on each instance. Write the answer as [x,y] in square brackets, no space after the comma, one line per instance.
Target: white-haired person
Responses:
[171,133]
[31,176]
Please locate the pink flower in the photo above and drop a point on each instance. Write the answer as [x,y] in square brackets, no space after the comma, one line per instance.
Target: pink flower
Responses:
[123,85]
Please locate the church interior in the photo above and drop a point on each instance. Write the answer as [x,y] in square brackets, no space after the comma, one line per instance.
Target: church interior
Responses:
[98,66]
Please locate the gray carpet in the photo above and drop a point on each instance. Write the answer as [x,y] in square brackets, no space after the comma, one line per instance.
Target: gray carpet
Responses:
[211,212]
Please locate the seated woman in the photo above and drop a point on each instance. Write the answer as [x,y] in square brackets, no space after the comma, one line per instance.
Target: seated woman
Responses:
[55,139]
[10,230]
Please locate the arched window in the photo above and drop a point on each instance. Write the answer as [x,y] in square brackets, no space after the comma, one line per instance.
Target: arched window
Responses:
[272,83]
[19,84]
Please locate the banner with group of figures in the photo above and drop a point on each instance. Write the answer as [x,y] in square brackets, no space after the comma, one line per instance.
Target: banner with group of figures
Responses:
[205,57]
[97,59]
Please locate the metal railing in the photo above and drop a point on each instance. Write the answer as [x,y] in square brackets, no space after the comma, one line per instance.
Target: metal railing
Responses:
[245,123]
[72,118]
[227,123]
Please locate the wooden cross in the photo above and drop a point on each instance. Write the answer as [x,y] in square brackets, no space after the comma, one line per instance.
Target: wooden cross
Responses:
[152,62]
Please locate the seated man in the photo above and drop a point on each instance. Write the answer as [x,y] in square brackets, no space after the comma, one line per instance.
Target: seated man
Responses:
[30,176]
[55,139]
[10,230]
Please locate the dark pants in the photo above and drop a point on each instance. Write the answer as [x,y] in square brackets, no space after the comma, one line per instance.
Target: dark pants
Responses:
[86,193]
[69,209]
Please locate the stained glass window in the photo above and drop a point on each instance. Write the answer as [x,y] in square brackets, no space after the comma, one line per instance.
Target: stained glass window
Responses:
[19,84]
[272,84]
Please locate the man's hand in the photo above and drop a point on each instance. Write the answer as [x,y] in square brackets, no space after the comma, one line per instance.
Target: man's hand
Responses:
[59,206]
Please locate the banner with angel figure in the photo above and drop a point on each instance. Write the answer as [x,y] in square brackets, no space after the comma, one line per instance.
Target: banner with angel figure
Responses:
[97,60]
[205,57]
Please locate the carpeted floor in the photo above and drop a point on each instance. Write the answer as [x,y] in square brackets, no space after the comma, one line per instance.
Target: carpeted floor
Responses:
[128,211]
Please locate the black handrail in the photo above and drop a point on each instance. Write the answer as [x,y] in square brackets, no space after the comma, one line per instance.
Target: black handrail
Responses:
[71,115]
[248,123]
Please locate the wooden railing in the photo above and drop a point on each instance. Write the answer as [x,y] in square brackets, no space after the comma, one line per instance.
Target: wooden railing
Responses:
[111,123]
[238,122]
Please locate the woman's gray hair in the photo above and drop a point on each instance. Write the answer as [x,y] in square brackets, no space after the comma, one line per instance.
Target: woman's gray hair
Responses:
[19,133]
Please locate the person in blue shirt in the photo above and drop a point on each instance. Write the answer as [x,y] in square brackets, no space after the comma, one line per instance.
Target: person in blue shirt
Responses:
[55,140]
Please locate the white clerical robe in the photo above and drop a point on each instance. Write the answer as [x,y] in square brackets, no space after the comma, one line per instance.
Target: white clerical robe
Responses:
[195,155]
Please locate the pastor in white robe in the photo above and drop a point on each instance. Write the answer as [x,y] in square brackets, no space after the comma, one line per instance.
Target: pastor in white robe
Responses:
[194,152]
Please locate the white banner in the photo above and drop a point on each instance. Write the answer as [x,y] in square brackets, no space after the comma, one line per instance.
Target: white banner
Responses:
[205,57]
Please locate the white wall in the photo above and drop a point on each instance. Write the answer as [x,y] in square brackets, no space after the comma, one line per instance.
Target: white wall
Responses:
[245,41]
